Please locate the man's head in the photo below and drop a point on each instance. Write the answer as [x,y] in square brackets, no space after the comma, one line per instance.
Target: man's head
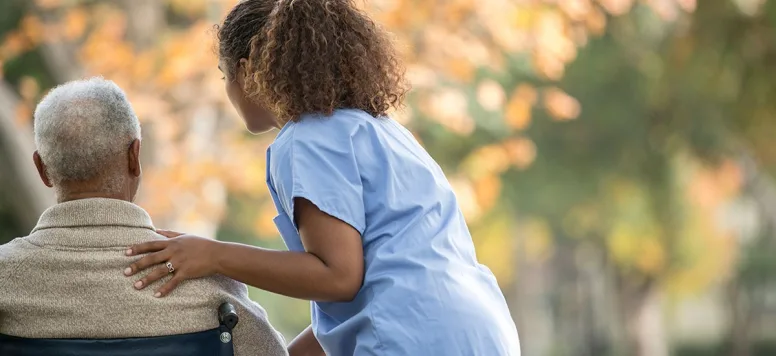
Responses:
[88,141]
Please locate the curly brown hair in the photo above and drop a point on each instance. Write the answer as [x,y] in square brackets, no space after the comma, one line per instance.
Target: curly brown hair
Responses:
[312,56]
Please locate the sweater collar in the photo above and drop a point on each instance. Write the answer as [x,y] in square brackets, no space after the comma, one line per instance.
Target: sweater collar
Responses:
[83,214]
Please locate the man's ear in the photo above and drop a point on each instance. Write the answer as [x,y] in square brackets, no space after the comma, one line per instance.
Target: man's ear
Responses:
[41,169]
[134,158]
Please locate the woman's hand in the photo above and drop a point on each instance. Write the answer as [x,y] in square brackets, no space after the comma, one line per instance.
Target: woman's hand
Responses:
[190,256]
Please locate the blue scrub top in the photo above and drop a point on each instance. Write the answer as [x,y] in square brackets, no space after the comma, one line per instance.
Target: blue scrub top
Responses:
[424,292]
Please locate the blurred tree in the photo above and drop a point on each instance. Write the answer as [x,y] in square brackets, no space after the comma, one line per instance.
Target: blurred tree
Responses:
[728,51]
[23,192]
[640,169]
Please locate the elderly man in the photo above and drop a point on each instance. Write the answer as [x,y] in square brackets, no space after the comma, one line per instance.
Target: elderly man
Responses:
[64,280]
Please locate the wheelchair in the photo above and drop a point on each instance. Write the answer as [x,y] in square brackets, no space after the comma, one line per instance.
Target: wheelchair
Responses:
[214,342]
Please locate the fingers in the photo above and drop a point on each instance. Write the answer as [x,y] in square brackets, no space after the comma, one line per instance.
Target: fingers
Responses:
[169,286]
[155,275]
[169,234]
[147,247]
[147,261]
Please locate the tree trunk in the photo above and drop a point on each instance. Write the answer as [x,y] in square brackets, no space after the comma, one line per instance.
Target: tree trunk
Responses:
[743,308]
[740,324]
[641,307]
[29,197]
[529,302]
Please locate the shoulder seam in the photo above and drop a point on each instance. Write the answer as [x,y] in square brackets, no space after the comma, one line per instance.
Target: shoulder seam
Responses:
[291,160]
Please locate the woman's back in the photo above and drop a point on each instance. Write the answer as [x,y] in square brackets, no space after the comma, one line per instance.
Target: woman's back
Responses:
[420,264]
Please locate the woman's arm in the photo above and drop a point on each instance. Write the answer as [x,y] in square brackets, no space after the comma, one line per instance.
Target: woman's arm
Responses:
[331,269]
[305,345]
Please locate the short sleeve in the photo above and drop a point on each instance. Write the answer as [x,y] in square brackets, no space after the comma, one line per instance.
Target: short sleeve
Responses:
[319,164]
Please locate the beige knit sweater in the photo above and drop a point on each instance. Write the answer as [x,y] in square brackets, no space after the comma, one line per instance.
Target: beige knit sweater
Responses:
[65,280]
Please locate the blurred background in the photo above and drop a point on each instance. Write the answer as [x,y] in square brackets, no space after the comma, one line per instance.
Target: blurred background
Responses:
[615,158]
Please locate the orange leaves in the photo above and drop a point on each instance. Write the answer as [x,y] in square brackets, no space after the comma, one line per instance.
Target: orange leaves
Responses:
[549,66]
[13,44]
[460,69]
[576,10]
[487,191]
[553,37]
[186,55]
[74,24]
[449,107]
[595,22]
[105,50]
[143,67]
[28,88]
[457,11]
[560,105]
[518,111]
[32,28]
[421,77]
[32,31]
[490,95]
[522,18]
[23,113]
[553,45]
[495,159]
[616,7]
[455,55]
[488,160]
[479,187]
[505,23]
[522,152]
[712,186]
[478,34]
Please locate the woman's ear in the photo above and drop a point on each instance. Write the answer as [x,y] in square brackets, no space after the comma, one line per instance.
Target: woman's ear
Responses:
[41,169]
[242,71]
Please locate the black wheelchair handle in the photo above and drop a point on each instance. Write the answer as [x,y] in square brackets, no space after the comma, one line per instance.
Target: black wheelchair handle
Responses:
[227,316]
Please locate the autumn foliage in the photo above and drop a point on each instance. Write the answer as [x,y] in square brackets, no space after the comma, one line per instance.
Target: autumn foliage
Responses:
[542,155]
